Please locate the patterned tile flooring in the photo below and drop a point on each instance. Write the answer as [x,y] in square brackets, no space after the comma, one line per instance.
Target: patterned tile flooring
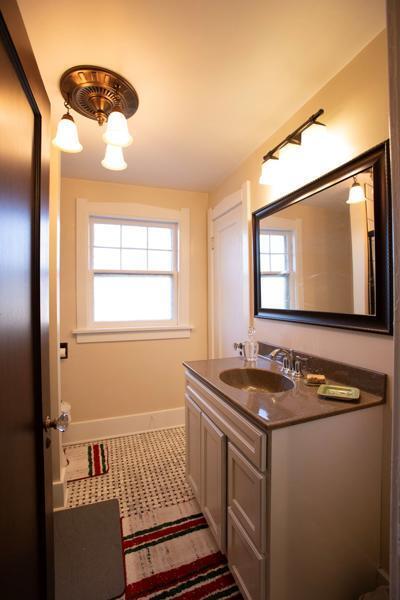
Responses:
[147,472]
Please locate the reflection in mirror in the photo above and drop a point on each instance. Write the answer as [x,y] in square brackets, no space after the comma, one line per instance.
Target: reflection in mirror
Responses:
[319,254]
[322,254]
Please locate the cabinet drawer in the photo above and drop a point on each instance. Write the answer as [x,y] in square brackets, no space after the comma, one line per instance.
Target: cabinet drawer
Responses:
[250,440]
[246,563]
[247,497]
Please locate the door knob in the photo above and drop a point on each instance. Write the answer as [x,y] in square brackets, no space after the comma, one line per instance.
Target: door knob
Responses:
[61,423]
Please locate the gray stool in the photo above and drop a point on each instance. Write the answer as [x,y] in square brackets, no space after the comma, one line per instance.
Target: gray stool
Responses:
[88,552]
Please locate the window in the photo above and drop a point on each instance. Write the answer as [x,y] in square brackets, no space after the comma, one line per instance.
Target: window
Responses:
[276,266]
[132,272]
[134,267]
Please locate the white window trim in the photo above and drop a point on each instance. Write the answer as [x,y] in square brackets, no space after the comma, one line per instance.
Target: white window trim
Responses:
[88,334]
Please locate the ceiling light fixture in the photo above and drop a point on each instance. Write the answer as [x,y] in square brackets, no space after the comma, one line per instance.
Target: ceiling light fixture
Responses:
[288,148]
[356,193]
[104,96]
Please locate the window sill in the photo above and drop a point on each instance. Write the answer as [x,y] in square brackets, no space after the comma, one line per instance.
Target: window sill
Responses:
[126,334]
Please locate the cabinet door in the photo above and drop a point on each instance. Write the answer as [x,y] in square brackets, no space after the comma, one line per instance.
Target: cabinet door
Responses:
[213,479]
[247,497]
[246,563]
[193,443]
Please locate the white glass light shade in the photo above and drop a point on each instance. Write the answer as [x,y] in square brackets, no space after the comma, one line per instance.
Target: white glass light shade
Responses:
[114,158]
[269,171]
[314,135]
[67,135]
[289,152]
[356,194]
[117,132]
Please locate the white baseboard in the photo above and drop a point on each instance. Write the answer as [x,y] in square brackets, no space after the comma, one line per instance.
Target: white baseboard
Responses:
[99,429]
[60,491]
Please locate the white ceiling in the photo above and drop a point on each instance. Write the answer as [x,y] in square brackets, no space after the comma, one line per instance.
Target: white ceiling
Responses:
[215,77]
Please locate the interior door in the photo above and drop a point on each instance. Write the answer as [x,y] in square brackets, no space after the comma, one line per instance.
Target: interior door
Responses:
[25,464]
[229,273]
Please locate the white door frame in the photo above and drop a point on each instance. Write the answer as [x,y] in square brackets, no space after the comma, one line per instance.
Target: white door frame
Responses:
[239,198]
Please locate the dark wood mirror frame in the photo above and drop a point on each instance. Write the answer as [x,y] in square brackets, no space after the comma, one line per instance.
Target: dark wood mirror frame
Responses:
[382,321]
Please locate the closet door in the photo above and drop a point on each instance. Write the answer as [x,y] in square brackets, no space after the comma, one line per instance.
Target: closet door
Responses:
[213,479]
[193,435]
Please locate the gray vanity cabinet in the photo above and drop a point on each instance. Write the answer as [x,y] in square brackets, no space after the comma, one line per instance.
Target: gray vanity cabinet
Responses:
[295,509]
[230,488]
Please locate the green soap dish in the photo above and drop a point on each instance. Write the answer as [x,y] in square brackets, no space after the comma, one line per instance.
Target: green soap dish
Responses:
[339,392]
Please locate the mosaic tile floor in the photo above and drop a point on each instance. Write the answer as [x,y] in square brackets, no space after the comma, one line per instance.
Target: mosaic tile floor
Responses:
[147,471]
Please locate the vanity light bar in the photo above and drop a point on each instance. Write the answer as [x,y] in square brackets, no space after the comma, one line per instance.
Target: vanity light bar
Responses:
[295,136]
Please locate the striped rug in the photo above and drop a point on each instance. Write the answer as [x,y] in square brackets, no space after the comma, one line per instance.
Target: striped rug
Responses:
[86,460]
[170,553]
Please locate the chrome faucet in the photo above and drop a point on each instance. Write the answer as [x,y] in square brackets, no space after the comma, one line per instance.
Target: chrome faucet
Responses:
[291,364]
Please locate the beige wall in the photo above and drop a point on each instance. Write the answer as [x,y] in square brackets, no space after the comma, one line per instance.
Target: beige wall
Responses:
[109,379]
[356,113]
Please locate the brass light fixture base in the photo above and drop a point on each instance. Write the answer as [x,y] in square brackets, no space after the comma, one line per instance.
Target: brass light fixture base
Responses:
[95,92]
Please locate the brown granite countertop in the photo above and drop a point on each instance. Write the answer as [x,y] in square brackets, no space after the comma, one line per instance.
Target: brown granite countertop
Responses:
[273,410]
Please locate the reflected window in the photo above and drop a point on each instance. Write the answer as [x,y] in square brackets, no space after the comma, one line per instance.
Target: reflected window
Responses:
[276,268]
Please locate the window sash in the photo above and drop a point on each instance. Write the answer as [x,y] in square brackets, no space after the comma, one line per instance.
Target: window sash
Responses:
[173,273]
[172,226]
[287,252]
[284,276]
[138,323]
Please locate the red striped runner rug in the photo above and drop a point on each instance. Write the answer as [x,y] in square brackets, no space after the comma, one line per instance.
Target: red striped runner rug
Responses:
[86,460]
[170,553]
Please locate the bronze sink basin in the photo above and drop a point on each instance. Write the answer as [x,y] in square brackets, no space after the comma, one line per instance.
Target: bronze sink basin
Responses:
[256,380]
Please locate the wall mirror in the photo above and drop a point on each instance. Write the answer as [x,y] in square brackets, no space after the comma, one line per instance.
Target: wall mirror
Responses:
[322,254]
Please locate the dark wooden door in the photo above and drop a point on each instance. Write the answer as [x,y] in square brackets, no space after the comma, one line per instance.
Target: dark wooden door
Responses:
[25,461]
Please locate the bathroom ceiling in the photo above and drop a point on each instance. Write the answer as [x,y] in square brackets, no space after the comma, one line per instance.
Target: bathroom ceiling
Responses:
[215,77]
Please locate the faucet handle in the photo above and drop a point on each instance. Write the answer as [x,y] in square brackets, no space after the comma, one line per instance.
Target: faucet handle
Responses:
[299,364]
[238,346]
[285,365]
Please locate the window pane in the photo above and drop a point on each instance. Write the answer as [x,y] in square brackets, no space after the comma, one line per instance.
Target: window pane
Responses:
[135,260]
[134,236]
[160,260]
[274,292]
[133,297]
[265,263]
[106,258]
[106,235]
[160,238]
[264,242]
[278,243]
[278,262]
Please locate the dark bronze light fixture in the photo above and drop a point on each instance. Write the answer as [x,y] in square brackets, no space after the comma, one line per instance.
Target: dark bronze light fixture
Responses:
[288,146]
[101,95]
